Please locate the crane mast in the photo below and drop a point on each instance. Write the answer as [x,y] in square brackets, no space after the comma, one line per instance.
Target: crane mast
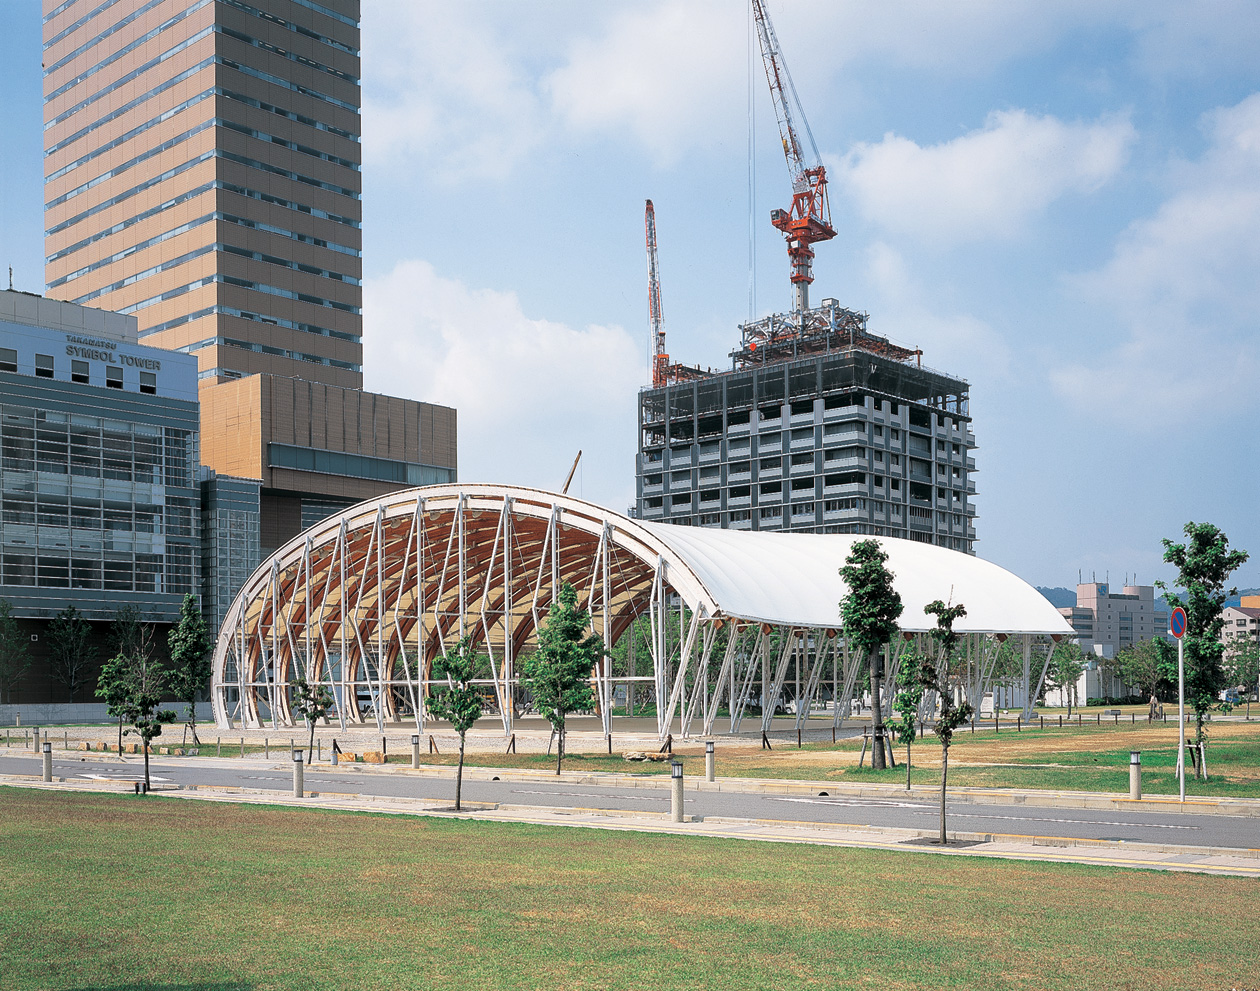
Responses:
[658,360]
[808,219]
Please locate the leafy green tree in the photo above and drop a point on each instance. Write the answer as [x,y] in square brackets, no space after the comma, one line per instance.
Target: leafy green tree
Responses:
[1147,665]
[312,701]
[1204,564]
[145,684]
[558,673]
[869,613]
[934,676]
[1067,664]
[907,704]
[191,661]
[1242,665]
[112,689]
[15,657]
[459,703]
[69,651]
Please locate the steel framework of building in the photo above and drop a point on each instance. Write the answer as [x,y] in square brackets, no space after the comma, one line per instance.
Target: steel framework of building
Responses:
[364,601]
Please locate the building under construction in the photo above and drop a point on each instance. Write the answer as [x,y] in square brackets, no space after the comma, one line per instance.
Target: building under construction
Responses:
[819,425]
[829,429]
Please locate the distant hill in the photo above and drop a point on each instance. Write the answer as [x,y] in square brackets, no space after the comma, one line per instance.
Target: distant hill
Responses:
[1060,597]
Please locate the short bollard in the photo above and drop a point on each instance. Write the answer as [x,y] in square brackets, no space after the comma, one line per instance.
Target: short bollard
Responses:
[676,791]
[708,760]
[415,751]
[1135,775]
[297,774]
[35,745]
[47,761]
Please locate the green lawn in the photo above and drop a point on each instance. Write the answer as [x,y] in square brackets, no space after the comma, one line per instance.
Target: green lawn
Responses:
[121,892]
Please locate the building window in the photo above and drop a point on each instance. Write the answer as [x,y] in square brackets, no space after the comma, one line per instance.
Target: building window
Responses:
[44,366]
[896,434]
[771,512]
[148,383]
[113,378]
[79,371]
[8,360]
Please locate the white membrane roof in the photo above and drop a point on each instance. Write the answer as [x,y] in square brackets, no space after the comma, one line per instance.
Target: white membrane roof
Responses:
[793,579]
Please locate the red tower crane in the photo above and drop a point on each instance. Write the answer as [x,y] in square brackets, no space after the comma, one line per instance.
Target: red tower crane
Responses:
[657,358]
[808,220]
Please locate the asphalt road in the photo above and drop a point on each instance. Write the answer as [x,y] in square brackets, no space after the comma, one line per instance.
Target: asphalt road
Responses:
[1141,826]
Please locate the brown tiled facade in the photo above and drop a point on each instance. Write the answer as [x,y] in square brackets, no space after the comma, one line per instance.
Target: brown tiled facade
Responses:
[202,166]
[202,172]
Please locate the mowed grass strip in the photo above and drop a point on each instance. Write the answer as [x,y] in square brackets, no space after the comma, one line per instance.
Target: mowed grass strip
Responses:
[108,891]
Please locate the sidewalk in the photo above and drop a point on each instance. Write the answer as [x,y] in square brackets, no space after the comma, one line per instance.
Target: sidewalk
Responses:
[1109,853]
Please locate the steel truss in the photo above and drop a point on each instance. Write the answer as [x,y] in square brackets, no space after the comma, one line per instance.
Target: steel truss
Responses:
[363,602]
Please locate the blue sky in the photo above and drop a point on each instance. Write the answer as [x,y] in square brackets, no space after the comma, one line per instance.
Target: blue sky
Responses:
[1059,202]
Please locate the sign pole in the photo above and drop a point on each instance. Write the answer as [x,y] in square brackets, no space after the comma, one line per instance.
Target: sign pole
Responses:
[1181,718]
[1177,627]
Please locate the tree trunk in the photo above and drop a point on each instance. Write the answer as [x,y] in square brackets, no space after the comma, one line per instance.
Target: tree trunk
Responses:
[459,772]
[559,747]
[944,774]
[120,736]
[878,761]
[192,720]
[145,746]
[310,747]
[907,765]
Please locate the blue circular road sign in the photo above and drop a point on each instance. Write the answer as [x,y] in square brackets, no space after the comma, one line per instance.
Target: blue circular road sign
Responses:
[1177,623]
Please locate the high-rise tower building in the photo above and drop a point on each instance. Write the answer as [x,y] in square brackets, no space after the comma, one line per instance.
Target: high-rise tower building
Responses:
[202,172]
[819,426]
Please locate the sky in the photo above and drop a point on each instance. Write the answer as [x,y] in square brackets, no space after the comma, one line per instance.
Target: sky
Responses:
[1057,200]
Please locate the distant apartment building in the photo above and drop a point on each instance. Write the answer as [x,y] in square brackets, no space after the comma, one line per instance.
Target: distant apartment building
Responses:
[1242,620]
[202,174]
[1108,622]
[825,429]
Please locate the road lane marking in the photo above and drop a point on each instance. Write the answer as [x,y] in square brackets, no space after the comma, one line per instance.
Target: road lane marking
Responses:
[1074,822]
[870,803]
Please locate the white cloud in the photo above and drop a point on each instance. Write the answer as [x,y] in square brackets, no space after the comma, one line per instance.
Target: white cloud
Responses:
[529,392]
[672,74]
[1183,285]
[987,183]
[951,341]
[446,91]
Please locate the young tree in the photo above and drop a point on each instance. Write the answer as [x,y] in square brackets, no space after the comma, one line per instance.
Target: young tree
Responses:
[459,703]
[311,700]
[907,704]
[934,675]
[1204,564]
[191,660]
[1146,665]
[558,673]
[869,613]
[1067,664]
[146,683]
[112,689]
[69,653]
[15,658]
